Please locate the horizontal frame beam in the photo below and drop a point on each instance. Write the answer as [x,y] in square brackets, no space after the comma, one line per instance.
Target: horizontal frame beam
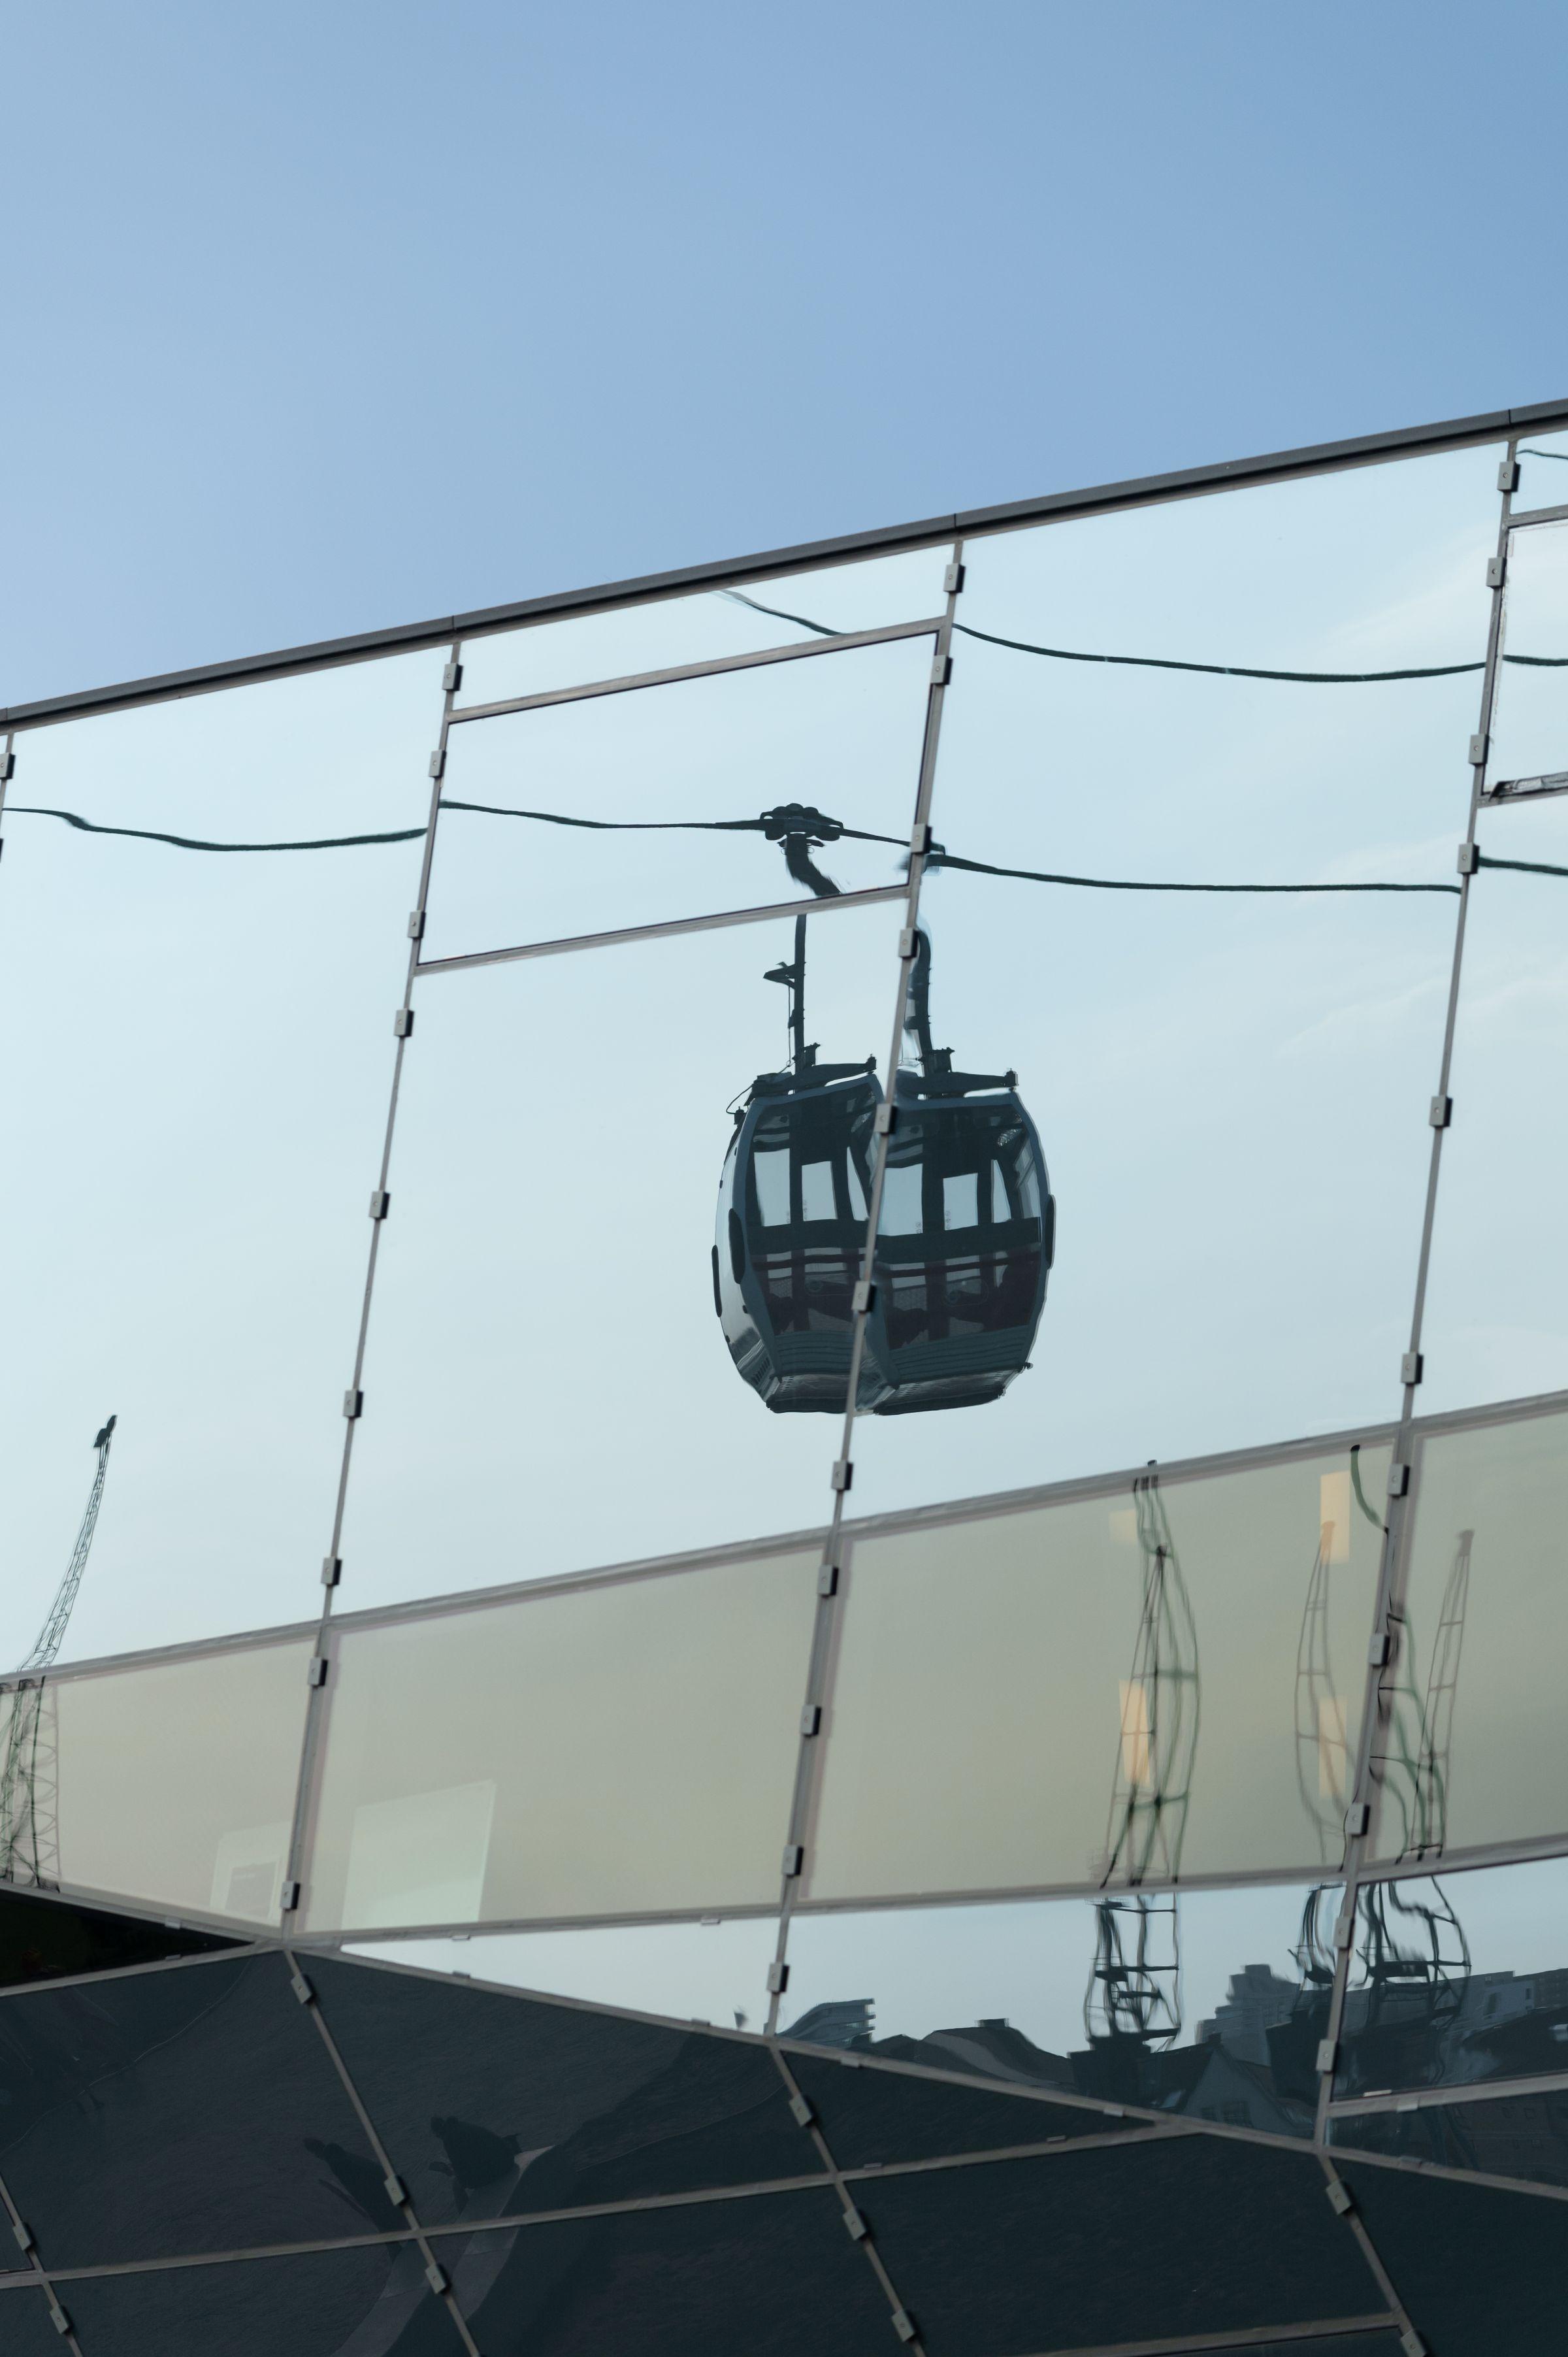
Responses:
[841,642]
[1060,507]
[665,930]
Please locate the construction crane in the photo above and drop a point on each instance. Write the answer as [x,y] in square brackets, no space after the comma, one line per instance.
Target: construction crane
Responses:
[30,1778]
[1133,2005]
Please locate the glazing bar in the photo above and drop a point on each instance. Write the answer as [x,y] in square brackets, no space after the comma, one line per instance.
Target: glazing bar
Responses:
[839,644]
[670,926]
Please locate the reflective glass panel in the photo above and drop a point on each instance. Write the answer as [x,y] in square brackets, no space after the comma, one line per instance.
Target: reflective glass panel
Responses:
[867,595]
[1457,1978]
[1473,1750]
[714,1971]
[49,1940]
[1230,1092]
[495,2105]
[169,1781]
[1479,2271]
[771,2275]
[841,733]
[1134,1685]
[1207,2002]
[1038,2253]
[1506,2136]
[871,2116]
[1530,708]
[194,1069]
[316,2304]
[1496,1310]
[162,2113]
[555,1375]
[616,1750]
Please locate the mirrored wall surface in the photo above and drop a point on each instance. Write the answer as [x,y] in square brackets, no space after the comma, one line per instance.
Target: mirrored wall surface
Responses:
[1470,1751]
[704,627]
[1160,1679]
[614,1300]
[612,1751]
[590,816]
[168,1782]
[1208,693]
[1206,2003]
[195,1056]
[1457,1979]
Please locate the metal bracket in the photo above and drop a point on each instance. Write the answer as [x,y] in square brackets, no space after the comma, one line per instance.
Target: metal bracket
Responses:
[778,1979]
[1441,1112]
[882,1122]
[802,2110]
[903,2324]
[1479,750]
[1357,1817]
[952,579]
[288,1897]
[842,1474]
[332,1570]
[403,1023]
[381,1203]
[1327,2055]
[318,1669]
[1411,2343]
[302,1990]
[828,1579]
[1339,2197]
[24,2234]
[60,2320]
[417,924]
[452,679]
[908,942]
[1413,1366]
[353,1405]
[794,1858]
[1399,1480]
[1469,858]
[7,767]
[1496,568]
[397,2192]
[863,1297]
[437,763]
[942,671]
[812,1718]
[1379,1650]
[1507,475]
[920,840]
[855,2225]
[437,2276]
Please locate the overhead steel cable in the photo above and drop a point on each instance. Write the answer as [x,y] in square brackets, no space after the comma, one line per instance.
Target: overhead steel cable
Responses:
[774,823]
[1171,662]
[200,842]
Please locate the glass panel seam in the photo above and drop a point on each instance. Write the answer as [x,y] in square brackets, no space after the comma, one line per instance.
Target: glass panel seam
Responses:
[1338,2193]
[816,1701]
[403,2204]
[666,928]
[1393,1567]
[1405,2165]
[297,1868]
[39,2273]
[841,642]
[805,2112]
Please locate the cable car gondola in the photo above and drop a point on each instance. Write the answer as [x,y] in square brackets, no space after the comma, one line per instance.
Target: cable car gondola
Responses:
[964,1241]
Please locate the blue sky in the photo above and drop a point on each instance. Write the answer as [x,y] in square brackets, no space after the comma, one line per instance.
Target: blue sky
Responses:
[320,319]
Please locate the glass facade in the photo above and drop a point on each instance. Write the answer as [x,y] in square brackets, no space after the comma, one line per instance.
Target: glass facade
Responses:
[835,1346]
